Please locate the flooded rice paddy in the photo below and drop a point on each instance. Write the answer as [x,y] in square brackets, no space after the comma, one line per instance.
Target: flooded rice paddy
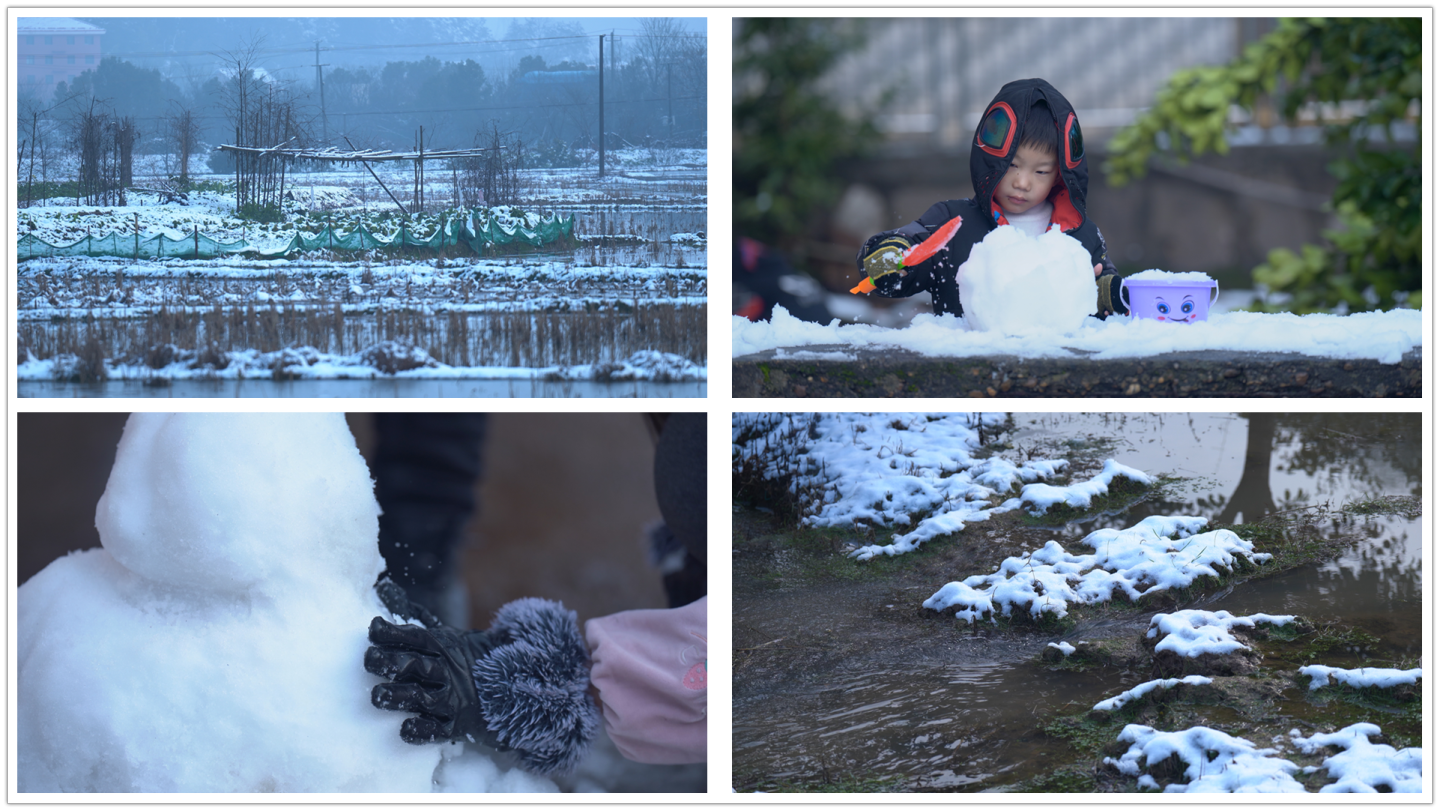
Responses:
[851,683]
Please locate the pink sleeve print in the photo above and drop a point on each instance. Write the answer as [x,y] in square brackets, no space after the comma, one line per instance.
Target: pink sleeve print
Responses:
[650,668]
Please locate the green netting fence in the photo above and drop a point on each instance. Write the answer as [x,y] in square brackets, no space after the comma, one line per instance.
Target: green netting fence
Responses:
[475,232]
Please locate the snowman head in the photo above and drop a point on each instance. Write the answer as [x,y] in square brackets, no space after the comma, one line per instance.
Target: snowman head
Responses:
[237,502]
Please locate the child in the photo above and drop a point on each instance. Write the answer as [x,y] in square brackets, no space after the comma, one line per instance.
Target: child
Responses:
[1027,163]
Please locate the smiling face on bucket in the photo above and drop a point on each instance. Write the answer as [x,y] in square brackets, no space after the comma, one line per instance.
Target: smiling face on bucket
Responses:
[1028,181]
[1184,311]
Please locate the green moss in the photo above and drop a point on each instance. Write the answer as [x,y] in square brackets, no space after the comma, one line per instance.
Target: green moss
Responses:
[1407,506]
[1073,780]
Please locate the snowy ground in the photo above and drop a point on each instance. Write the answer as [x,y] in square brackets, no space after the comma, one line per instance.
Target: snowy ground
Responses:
[631,292]
[929,476]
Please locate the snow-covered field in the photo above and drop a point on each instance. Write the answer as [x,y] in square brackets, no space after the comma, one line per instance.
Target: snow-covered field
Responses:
[625,301]
[1010,288]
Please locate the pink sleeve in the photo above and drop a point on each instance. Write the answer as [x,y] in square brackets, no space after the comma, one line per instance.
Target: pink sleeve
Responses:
[649,667]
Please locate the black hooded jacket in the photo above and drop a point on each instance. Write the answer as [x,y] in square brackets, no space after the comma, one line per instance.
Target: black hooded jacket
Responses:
[980,215]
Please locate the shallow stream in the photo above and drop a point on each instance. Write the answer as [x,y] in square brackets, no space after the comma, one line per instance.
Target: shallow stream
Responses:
[947,711]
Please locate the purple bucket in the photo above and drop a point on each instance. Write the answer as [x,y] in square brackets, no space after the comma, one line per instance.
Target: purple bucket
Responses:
[1181,300]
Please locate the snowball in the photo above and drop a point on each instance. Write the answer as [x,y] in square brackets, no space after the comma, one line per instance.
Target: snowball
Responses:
[1020,285]
[216,642]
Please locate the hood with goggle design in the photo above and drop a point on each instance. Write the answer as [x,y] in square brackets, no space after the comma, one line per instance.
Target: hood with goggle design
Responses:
[998,136]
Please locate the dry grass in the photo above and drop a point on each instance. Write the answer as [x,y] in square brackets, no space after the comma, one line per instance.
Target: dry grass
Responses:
[517,339]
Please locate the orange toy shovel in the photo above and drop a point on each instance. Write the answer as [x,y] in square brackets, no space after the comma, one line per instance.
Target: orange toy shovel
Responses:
[918,253]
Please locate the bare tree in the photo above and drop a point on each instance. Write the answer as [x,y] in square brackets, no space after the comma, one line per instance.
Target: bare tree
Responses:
[494,178]
[35,128]
[106,145]
[673,63]
[183,132]
[263,114]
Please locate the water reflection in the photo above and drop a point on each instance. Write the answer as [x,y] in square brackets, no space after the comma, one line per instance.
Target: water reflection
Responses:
[522,387]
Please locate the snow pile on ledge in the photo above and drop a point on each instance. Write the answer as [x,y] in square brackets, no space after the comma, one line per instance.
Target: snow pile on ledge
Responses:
[1116,702]
[1192,632]
[1380,336]
[1320,676]
[1364,767]
[1156,554]
[1214,761]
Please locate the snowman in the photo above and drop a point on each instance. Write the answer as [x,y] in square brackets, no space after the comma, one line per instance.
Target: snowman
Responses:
[1017,284]
[215,642]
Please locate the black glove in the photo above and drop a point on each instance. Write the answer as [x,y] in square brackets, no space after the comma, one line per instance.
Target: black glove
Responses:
[884,258]
[429,673]
[1108,301]
[519,686]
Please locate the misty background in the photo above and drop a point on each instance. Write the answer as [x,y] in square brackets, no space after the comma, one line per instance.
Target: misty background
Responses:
[373,80]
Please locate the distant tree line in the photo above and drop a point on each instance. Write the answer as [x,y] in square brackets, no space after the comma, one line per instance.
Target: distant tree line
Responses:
[655,97]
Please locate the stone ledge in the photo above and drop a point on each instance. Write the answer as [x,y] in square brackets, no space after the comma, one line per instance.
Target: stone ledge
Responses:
[900,373]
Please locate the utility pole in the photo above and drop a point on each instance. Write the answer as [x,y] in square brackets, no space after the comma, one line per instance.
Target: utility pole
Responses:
[602,105]
[670,100]
[320,83]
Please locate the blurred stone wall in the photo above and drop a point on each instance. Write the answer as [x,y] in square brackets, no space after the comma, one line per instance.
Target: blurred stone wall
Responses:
[1220,214]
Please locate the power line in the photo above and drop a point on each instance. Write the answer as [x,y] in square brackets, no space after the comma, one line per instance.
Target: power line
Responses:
[301,49]
[608,103]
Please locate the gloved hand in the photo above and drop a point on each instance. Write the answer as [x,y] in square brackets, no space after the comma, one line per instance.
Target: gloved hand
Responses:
[429,673]
[1108,301]
[884,258]
[519,686]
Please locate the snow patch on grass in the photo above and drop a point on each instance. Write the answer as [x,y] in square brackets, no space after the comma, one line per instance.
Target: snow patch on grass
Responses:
[1321,675]
[1116,702]
[1192,632]
[1214,761]
[1159,553]
[1364,767]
